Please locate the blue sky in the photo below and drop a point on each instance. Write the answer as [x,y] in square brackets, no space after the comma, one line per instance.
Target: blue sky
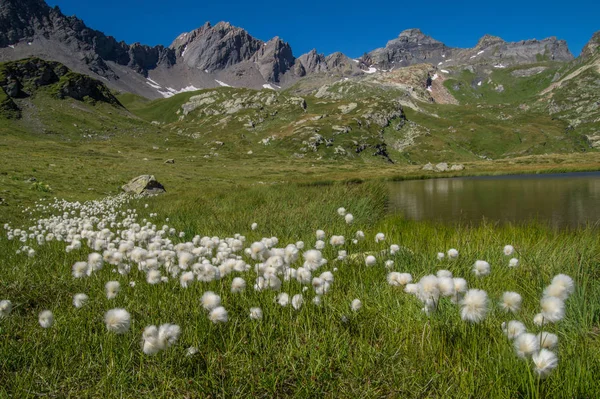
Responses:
[352,27]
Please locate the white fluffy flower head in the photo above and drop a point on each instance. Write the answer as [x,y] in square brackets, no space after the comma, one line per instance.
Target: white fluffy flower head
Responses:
[117,321]
[356,305]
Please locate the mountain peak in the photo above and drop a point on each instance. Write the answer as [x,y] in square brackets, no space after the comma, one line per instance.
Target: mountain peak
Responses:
[416,35]
[592,47]
[411,32]
[489,40]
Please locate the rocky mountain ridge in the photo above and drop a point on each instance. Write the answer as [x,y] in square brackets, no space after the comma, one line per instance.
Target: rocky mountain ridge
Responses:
[414,47]
[225,55]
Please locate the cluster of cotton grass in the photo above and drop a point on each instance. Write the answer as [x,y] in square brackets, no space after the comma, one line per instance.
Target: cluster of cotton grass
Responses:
[474,306]
[539,347]
[108,236]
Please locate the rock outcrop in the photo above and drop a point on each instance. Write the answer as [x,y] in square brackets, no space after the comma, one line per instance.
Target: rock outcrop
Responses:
[21,79]
[212,48]
[144,185]
[274,58]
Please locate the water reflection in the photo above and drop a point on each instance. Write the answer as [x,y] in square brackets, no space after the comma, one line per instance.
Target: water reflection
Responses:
[570,199]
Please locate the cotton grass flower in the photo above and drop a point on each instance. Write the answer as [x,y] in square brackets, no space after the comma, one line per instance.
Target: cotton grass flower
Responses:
[398,279]
[283,299]
[313,259]
[256,313]
[474,306]
[370,260]
[513,329]
[444,273]
[341,211]
[564,281]
[320,245]
[440,256]
[316,300]
[186,278]
[538,319]
[446,286]
[80,269]
[428,288]
[320,235]
[5,308]
[349,218]
[253,226]
[553,309]
[557,291]
[153,277]
[303,275]
[452,253]
[460,285]
[112,288]
[511,302]
[379,237]
[210,300]
[46,319]
[191,351]
[547,340]
[297,301]
[337,240]
[117,321]
[481,268]
[526,344]
[238,285]
[151,343]
[545,361]
[79,300]
[394,248]
[157,339]
[218,315]
[508,250]
[411,289]
[514,262]
[327,277]
[356,305]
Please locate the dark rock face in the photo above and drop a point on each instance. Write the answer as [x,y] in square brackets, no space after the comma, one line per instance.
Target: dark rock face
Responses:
[213,48]
[312,62]
[23,78]
[274,59]
[336,63]
[23,20]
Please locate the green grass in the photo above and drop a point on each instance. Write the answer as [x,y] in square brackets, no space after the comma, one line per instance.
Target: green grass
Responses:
[516,90]
[388,349]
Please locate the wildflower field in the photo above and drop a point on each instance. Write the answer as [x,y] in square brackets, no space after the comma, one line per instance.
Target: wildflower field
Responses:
[290,291]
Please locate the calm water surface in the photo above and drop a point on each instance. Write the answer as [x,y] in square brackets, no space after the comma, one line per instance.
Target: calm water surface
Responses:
[561,200]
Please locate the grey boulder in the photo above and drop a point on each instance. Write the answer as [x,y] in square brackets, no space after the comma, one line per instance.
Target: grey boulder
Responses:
[144,185]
